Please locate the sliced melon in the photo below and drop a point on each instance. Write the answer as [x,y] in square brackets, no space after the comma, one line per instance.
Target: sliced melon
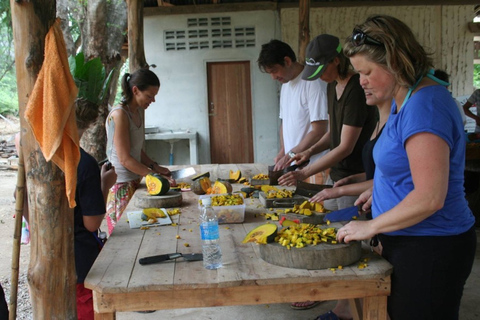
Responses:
[152,213]
[262,234]
[220,186]
[235,175]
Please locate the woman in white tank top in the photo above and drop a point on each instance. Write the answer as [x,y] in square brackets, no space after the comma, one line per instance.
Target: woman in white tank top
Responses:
[126,135]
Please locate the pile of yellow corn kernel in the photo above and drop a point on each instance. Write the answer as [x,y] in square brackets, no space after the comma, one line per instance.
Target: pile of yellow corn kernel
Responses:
[303,234]
[279,193]
[260,176]
[227,200]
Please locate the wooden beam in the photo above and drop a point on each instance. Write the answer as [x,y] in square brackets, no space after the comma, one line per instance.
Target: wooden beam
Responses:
[211,8]
[303,29]
[391,3]
[136,50]
[274,5]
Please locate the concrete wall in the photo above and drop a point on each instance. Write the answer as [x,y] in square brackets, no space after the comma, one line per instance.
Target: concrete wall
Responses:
[182,99]
[442,30]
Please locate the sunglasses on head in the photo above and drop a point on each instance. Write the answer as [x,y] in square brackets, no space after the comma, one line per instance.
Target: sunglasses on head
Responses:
[360,38]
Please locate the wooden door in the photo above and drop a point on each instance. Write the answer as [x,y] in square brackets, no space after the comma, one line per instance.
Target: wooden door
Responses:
[230,112]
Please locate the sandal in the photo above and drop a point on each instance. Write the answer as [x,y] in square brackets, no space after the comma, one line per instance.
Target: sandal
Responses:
[305,305]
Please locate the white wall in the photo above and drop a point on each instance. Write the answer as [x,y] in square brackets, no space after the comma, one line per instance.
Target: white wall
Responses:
[182,99]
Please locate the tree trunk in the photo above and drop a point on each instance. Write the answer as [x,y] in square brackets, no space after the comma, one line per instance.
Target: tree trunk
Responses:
[136,50]
[51,272]
[103,28]
[303,29]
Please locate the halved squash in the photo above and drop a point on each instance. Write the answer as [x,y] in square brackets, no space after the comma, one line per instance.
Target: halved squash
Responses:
[201,186]
[262,234]
[201,175]
[157,185]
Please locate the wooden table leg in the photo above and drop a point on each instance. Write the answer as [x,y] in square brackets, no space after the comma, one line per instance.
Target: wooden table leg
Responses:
[375,308]
[356,308]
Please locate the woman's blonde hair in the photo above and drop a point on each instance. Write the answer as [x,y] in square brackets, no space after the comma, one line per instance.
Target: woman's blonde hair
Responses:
[400,53]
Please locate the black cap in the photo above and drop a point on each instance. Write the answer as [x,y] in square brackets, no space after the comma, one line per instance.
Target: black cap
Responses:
[320,51]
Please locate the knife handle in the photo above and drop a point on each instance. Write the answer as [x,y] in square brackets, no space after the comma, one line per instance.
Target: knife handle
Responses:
[159,258]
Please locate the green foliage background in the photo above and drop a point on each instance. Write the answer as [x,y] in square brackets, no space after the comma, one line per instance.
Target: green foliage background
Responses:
[476,76]
[8,78]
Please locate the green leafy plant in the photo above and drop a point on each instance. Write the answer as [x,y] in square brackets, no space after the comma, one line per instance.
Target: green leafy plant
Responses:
[90,78]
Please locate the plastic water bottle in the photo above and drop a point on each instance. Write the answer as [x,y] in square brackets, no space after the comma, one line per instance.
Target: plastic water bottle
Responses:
[212,253]
[25,239]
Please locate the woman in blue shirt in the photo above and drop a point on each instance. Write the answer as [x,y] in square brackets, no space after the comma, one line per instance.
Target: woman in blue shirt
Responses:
[419,208]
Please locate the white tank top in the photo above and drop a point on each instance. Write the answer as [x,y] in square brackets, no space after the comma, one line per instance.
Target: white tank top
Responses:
[137,138]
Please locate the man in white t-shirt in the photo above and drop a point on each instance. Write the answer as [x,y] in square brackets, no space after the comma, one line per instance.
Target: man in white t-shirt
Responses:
[303,104]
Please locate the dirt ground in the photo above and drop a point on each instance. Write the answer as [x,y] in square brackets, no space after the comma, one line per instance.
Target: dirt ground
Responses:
[8,181]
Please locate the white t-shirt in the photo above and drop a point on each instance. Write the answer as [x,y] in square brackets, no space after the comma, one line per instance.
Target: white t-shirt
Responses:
[301,103]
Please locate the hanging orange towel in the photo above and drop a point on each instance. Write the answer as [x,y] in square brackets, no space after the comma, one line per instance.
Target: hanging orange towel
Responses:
[50,112]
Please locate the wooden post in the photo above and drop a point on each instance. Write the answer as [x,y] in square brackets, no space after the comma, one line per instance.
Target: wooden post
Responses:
[303,29]
[136,50]
[51,272]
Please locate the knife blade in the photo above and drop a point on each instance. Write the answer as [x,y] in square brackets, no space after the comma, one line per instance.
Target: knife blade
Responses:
[170,256]
[309,189]
[346,214]
[183,173]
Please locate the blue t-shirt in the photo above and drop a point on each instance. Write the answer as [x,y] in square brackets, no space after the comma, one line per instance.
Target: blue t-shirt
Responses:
[431,109]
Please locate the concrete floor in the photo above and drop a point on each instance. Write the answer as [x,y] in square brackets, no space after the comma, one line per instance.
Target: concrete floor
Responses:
[469,309]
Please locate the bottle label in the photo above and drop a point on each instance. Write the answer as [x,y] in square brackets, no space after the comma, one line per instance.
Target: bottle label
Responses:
[209,230]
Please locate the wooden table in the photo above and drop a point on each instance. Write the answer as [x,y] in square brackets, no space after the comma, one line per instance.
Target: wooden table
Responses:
[120,283]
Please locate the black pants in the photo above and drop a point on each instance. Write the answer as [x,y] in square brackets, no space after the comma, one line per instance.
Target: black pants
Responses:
[429,274]
[3,305]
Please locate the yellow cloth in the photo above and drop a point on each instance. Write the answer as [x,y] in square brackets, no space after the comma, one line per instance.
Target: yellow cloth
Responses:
[50,112]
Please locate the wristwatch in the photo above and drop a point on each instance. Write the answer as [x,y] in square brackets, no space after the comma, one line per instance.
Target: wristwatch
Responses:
[291,154]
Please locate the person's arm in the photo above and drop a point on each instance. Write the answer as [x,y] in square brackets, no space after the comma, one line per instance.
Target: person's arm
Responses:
[108,178]
[348,140]
[428,157]
[90,200]
[278,160]
[354,189]
[354,178]
[122,144]
[468,113]
[319,128]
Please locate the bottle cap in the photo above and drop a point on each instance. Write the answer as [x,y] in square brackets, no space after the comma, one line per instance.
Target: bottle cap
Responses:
[207,201]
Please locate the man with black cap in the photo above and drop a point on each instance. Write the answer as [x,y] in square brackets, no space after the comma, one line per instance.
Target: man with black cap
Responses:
[351,123]
[303,104]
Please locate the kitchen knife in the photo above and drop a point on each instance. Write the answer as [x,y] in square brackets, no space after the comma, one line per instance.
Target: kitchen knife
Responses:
[171,256]
[346,214]
[309,189]
[183,173]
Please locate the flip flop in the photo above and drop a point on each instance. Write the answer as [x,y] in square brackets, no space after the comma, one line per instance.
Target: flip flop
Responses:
[307,305]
